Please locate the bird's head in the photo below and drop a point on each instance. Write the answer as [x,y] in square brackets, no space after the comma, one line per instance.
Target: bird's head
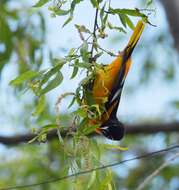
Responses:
[112,129]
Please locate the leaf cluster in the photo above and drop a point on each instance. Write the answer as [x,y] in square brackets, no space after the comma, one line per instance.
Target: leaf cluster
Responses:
[19,40]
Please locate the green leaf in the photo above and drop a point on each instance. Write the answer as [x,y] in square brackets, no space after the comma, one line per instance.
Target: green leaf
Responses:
[175,104]
[72,102]
[98,55]
[81,112]
[82,125]
[120,29]
[45,128]
[24,77]
[82,28]
[102,11]
[106,181]
[40,3]
[129,22]
[83,65]
[6,36]
[41,136]
[170,72]
[122,19]
[104,20]
[75,70]
[131,12]
[57,62]
[42,24]
[91,180]
[50,73]
[94,3]
[149,2]
[74,3]
[40,106]
[89,129]
[59,12]
[52,84]
[33,140]
[103,17]
[96,148]
[109,186]
[84,52]
[117,147]
[89,97]
[68,20]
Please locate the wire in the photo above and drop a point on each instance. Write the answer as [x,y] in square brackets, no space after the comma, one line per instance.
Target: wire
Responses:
[149,178]
[150,154]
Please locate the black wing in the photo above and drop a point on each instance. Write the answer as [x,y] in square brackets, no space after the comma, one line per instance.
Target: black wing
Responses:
[116,91]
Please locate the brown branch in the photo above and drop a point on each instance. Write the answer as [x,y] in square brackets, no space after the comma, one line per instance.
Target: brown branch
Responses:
[137,129]
[94,34]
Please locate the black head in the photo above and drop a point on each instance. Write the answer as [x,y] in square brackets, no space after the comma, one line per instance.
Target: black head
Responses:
[113,129]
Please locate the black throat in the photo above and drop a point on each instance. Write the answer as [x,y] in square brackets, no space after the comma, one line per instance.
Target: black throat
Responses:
[113,129]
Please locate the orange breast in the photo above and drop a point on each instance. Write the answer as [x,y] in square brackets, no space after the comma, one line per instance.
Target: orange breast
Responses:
[105,78]
[104,81]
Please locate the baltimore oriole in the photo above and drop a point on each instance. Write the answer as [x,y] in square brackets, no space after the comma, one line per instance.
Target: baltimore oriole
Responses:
[108,84]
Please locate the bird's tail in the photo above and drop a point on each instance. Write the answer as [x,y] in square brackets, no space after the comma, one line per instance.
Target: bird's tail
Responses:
[134,38]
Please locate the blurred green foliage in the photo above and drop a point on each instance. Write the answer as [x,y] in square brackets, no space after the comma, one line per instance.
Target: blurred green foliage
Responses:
[21,37]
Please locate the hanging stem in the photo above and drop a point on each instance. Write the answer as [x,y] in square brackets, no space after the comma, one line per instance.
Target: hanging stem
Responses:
[94,34]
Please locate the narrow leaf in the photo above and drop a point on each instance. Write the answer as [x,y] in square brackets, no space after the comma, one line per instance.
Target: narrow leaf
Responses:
[111,146]
[53,83]
[89,129]
[40,3]
[40,106]
[61,12]
[94,3]
[68,20]
[129,22]
[72,102]
[50,73]
[75,71]
[122,19]
[24,77]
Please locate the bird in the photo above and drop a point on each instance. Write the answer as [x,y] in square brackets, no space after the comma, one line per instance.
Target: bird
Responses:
[107,85]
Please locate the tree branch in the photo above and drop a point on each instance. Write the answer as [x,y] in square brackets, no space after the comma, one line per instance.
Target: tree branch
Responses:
[137,129]
[171,9]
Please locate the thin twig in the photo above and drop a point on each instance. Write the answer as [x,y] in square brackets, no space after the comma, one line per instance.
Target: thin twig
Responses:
[105,50]
[94,33]
[156,172]
[151,154]
[62,96]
